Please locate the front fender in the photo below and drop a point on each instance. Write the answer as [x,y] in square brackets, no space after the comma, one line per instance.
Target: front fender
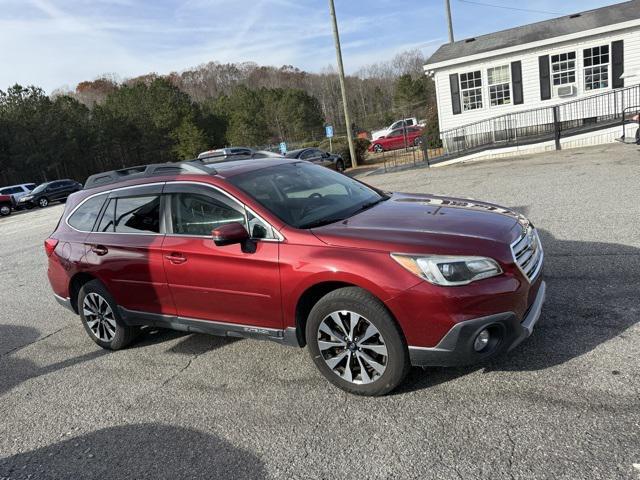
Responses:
[303,268]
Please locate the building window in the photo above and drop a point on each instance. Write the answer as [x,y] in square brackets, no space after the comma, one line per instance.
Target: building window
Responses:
[563,68]
[596,67]
[499,79]
[471,88]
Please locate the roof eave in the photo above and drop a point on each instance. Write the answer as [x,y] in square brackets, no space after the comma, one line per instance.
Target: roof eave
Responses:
[432,67]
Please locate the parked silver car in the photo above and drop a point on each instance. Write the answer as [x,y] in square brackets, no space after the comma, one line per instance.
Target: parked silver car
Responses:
[17,191]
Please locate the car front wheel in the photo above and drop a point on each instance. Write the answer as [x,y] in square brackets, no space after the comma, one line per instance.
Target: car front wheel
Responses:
[43,202]
[378,148]
[5,210]
[356,344]
[101,319]
[340,166]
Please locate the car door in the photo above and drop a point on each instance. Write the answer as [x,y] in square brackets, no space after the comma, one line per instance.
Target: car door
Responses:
[229,284]
[52,192]
[396,139]
[125,250]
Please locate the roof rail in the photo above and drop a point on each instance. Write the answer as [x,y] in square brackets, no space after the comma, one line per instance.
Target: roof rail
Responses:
[144,171]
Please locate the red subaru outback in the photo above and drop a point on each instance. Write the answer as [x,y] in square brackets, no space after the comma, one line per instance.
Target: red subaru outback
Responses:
[372,282]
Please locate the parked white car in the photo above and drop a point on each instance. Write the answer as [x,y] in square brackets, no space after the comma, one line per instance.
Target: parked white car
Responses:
[405,122]
[17,191]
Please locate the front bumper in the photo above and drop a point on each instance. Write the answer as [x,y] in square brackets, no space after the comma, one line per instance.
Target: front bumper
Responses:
[456,347]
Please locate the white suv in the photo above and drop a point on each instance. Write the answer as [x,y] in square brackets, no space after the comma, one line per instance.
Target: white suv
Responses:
[17,191]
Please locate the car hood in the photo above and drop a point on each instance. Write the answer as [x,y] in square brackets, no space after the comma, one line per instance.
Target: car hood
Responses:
[425,223]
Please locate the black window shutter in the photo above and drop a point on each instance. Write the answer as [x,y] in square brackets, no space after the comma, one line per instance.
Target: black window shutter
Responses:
[617,63]
[455,93]
[516,80]
[545,77]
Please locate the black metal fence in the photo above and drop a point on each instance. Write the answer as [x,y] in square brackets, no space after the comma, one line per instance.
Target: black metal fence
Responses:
[582,115]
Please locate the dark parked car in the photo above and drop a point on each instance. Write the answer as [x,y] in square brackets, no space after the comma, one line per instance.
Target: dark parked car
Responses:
[46,193]
[372,282]
[319,157]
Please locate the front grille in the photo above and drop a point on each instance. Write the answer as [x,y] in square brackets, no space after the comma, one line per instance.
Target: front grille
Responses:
[527,253]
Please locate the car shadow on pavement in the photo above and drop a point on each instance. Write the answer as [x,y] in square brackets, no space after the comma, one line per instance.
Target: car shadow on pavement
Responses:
[190,344]
[15,370]
[136,451]
[592,298]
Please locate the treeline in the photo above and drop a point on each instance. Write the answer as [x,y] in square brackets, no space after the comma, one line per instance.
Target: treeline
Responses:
[106,123]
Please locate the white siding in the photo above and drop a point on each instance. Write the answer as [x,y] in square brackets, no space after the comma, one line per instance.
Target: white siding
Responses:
[530,76]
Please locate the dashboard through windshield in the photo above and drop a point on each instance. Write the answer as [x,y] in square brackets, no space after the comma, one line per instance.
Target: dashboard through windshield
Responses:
[304,195]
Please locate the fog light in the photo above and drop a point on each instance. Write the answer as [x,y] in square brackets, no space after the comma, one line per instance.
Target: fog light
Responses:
[482,340]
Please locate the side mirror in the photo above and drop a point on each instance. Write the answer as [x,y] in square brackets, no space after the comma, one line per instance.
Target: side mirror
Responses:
[230,234]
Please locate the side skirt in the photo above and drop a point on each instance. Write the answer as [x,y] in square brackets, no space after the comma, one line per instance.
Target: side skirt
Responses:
[134,318]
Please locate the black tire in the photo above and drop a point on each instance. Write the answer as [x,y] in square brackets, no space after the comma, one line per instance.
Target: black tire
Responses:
[5,210]
[378,148]
[638,136]
[417,141]
[43,202]
[360,301]
[340,166]
[124,334]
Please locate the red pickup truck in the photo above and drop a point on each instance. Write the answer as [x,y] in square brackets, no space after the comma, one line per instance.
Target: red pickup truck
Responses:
[6,204]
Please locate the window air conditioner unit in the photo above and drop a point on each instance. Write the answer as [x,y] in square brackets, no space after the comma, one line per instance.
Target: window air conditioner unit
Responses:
[566,90]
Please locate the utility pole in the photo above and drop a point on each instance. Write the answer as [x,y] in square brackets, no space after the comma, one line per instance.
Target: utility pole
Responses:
[347,117]
[447,5]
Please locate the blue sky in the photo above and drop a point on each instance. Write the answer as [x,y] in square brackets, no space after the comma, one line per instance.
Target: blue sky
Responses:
[57,43]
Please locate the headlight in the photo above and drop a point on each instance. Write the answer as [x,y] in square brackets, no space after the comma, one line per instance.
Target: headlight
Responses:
[448,270]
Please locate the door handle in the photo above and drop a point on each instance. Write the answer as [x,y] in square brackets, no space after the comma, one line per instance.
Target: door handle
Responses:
[100,250]
[176,258]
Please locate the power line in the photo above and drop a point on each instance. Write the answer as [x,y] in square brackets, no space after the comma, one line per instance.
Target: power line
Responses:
[545,12]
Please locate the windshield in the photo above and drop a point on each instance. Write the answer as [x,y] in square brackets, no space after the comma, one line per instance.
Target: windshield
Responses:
[304,195]
[40,188]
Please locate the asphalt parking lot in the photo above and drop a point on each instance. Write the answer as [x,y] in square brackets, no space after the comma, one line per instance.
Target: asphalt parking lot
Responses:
[563,405]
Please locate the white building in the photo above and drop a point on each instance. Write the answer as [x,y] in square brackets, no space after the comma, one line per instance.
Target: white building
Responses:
[481,82]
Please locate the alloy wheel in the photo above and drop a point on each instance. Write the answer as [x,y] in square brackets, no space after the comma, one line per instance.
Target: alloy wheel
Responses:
[5,210]
[99,317]
[352,347]
[43,202]
[377,148]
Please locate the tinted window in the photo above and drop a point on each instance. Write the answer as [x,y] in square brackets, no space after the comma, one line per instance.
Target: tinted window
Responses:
[397,133]
[40,188]
[11,190]
[84,218]
[138,215]
[30,186]
[306,154]
[199,214]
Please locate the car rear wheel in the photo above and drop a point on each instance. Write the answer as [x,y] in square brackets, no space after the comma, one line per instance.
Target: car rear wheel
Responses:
[340,166]
[638,136]
[101,319]
[5,210]
[378,148]
[43,202]
[418,141]
[356,344]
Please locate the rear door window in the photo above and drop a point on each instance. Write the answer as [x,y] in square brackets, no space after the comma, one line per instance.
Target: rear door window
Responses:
[85,216]
[137,214]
